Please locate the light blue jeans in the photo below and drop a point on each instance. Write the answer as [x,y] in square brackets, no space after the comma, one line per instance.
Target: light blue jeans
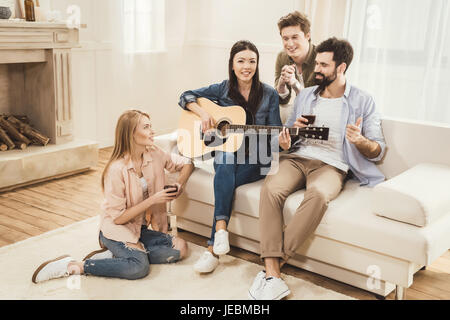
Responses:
[130,263]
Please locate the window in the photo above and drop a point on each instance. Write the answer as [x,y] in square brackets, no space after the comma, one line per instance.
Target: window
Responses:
[144,25]
[402,56]
[403,30]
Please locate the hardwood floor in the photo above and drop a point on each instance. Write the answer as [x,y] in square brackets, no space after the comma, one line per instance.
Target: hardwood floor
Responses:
[29,211]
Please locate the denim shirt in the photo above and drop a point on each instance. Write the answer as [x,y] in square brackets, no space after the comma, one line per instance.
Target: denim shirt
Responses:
[357,103]
[268,113]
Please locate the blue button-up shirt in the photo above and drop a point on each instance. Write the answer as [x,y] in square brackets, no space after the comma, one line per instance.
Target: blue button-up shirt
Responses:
[268,113]
[357,104]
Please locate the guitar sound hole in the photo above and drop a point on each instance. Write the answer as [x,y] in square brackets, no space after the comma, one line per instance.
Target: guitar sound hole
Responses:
[222,128]
[216,137]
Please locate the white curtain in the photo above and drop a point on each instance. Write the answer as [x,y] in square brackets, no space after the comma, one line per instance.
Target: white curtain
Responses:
[143,24]
[138,30]
[327,17]
[402,56]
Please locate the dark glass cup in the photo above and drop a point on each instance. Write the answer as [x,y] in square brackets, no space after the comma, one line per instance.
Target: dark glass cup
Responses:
[171,218]
[171,187]
[310,117]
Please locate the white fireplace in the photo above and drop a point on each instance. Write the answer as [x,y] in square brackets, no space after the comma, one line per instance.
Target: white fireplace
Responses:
[35,80]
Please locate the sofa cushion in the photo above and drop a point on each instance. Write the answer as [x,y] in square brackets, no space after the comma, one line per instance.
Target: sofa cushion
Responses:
[350,219]
[417,196]
[207,165]
[200,188]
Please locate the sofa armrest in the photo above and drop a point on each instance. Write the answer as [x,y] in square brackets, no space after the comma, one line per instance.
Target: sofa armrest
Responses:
[167,142]
[417,196]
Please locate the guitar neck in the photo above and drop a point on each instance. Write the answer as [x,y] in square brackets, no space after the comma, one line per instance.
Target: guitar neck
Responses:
[292,131]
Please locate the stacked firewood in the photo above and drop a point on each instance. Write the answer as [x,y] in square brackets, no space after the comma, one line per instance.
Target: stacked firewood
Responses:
[16,133]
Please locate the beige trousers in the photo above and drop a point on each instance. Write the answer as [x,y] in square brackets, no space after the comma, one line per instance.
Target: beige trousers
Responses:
[323,183]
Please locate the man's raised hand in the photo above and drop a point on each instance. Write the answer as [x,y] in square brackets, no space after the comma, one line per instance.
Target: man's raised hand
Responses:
[353,132]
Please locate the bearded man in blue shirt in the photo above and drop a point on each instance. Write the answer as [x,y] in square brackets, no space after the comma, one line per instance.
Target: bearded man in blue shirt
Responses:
[355,143]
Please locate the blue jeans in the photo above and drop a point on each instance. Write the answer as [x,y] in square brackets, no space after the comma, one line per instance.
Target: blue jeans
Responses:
[130,263]
[230,175]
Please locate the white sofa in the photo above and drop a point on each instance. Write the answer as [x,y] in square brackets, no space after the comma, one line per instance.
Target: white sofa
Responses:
[352,244]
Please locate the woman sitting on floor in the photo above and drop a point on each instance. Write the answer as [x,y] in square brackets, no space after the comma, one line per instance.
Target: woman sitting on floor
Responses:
[134,196]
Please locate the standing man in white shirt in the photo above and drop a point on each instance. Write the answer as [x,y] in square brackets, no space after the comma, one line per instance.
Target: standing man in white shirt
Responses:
[294,69]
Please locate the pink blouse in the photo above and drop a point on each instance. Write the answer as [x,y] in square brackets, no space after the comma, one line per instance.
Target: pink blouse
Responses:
[123,190]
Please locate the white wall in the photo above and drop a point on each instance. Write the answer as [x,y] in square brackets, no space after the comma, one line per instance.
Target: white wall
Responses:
[199,34]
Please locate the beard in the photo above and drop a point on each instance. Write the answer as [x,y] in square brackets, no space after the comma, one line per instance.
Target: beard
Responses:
[325,81]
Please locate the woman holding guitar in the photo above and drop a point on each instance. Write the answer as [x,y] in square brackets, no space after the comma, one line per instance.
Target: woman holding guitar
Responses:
[261,104]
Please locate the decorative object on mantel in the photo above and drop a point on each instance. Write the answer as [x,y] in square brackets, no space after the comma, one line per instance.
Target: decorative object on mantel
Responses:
[7,4]
[20,12]
[15,133]
[5,13]
[29,10]
[54,16]
[40,15]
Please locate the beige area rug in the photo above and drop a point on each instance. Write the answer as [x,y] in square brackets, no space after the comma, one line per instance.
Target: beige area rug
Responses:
[165,282]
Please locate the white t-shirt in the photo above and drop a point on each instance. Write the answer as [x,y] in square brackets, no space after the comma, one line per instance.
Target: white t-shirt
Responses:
[144,187]
[328,113]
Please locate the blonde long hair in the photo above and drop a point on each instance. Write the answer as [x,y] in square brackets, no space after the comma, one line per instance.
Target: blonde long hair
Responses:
[124,142]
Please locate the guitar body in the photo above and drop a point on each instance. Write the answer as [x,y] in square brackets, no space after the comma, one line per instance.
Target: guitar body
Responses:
[192,143]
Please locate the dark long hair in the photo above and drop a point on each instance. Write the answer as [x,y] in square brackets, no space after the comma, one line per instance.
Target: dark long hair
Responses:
[256,92]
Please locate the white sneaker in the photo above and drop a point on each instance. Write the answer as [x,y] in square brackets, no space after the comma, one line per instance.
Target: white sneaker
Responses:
[221,244]
[273,289]
[56,268]
[207,263]
[99,254]
[258,283]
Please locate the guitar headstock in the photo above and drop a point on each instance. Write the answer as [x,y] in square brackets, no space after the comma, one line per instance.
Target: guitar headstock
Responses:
[317,133]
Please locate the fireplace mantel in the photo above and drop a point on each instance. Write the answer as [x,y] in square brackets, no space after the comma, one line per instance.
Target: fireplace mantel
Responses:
[36,80]
[37,35]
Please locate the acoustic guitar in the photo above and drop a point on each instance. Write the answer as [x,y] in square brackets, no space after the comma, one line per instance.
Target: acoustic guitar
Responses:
[228,134]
